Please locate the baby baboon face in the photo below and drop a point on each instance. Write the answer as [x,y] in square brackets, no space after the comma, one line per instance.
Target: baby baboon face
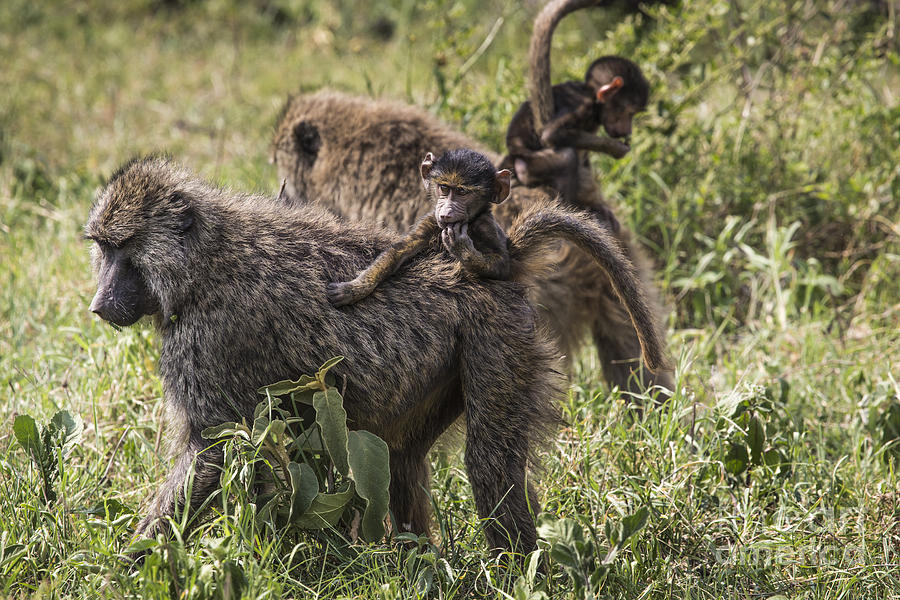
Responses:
[462,183]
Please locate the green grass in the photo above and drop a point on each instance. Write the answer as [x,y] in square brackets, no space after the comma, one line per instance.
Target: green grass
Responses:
[764,179]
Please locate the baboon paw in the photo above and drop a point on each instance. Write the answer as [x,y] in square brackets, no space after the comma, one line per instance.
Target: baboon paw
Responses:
[339,293]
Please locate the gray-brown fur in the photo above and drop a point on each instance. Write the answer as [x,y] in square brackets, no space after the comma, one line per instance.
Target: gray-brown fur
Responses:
[238,301]
[376,145]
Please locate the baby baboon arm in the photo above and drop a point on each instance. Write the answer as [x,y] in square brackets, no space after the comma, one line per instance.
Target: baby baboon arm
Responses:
[341,293]
[491,258]
[582,140]
[566,119]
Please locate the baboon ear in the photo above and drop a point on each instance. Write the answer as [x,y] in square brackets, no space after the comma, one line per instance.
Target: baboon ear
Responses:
[182,204]
[609,90]
[187,221]
[425,168]
[307,138]
[501,186]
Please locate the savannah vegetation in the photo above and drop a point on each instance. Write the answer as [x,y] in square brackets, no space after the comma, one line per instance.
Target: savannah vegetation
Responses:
[764,179]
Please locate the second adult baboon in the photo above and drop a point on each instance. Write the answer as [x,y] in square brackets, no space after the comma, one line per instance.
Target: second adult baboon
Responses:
[236,289]
[375,146]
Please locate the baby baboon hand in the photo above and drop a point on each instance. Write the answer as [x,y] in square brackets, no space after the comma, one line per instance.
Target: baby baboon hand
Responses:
[617,148]
[456,239]
[340,293]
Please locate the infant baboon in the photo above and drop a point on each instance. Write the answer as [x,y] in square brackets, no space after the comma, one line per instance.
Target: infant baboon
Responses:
[236,288]
[380,185]
[550,135]
[614,90]
[462,184]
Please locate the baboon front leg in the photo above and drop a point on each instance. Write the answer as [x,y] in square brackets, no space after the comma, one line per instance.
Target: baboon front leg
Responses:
[169,498]
[409,497]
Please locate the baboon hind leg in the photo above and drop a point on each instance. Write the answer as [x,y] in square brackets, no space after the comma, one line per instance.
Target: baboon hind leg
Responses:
[509,390]
[620,352]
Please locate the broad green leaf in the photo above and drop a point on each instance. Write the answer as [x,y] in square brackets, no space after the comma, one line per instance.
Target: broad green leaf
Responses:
[756,440]
[598,575]
[560,530]
[68,427]
[226,430]
[564,555]
[304,488]
[27,434]
[370,470]
[325,510]
[286,386]
[311,440]
[332,420]
[320,375]
[737,458]
[260,427]
[634,523]
[141,545]
[303,396]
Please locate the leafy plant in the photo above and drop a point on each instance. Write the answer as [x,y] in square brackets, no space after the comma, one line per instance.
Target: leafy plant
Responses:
[321,471]
[48,446]
[748,440]
[579,555]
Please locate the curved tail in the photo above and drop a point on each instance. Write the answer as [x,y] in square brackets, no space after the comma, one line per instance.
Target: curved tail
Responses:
[540,90]
[534,230]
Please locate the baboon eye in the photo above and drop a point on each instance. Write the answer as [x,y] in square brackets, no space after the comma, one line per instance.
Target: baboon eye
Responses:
[444,189]
[460,192]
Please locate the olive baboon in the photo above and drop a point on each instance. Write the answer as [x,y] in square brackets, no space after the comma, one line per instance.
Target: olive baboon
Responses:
[236,288]
[375,145]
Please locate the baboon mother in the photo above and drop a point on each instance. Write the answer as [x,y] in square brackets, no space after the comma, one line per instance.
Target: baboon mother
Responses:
[359,157]
[236,288]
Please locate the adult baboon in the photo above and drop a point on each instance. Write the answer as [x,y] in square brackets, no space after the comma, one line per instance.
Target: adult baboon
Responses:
[236,288]
[359,157]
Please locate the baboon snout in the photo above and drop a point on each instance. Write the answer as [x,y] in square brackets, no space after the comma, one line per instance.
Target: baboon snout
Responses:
[102,305]
[448,216]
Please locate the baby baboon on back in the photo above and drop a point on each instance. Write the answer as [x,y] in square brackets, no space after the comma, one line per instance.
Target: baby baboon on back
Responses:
[245,276]
[380,182]
[613,91]
[462,184]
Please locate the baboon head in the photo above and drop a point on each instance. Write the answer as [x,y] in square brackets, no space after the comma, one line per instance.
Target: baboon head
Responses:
[296,148]
[140,227]
[463,183]
[620,91]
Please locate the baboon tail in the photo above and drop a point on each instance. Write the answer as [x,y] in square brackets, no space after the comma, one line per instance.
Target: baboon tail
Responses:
[540,226]
[539,86]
